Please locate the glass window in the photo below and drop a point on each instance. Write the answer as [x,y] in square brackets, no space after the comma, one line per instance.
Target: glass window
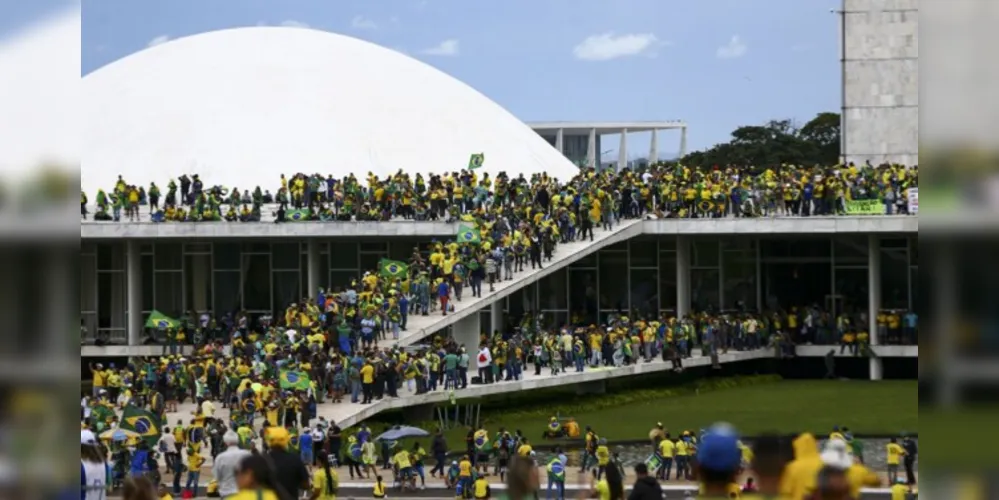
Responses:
[286,289]
[169,293]
[148,295]
[199,283]
[739,244]
[169,257]
[914,250]
[111,256]
[850,249]
[704,253]
[111,300]
[644,252]
[894,277]
[343,255]
[704,292]
[667,281]
[796,284]
[286,256]
[586,262]
[88,283]
[613,281]
[917,301]
[197,247]
[553,289]
[621,246]
[257,247]
[257,283]
[227,292]
[88,248]
[740,281]
[374,246]
[226,256]
[554,319]
[583,293]
[644,293]
[851,290]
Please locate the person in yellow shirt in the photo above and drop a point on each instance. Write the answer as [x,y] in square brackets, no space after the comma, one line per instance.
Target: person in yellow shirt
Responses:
[481,488]
[404,468]
[900,490]
[367,382]
[603,457]
[667,450]
[378,489]
[324,480]
[681,455]
[525,449]
[894,453]
[194,463]
[464,474]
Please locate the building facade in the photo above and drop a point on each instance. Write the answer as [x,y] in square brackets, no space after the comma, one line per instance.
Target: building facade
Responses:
[580,142]
[880,67]
[641,276]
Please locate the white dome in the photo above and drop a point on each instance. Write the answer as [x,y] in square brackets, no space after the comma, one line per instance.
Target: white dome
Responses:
[241,106]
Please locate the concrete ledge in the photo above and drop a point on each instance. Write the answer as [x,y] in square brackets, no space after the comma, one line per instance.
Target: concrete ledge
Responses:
[346,415]
[222,230]
[884,351]
[91,351]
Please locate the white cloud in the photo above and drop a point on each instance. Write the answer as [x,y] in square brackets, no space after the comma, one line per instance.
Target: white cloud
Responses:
[291,23]
[158,40]
[607,46]
[446,48]
[735,48]
[362,23]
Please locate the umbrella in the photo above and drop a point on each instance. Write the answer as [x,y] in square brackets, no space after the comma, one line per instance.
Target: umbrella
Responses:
[402,432]
[119,435]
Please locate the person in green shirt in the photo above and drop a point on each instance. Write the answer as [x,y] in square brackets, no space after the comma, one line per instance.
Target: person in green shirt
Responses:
[450,371]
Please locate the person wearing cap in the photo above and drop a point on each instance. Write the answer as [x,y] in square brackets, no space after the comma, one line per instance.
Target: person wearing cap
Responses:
[799,475]
[226,464]
[718,462]
[288,467]
[94,470]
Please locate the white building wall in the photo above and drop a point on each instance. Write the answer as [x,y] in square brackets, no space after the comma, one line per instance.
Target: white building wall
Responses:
[881,80]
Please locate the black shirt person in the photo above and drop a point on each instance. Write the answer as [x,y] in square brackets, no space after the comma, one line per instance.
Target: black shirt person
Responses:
[288,467]
[646,487]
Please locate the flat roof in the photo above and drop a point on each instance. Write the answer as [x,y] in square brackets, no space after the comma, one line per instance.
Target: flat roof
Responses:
[268,229]
[614,127]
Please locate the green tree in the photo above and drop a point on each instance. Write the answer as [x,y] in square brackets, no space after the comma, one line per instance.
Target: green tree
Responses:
[774,143]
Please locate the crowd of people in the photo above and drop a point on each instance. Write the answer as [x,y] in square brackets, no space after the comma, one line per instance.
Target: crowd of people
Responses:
[714,459]
[662,190]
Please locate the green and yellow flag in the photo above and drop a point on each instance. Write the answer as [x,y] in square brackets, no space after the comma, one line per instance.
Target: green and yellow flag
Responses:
[393,268]
[297,214]
[294,380]
[468,234]
[162,321]
[142,422]
[476,161]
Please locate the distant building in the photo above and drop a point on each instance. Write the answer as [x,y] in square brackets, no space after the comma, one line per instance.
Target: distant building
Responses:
[580,141]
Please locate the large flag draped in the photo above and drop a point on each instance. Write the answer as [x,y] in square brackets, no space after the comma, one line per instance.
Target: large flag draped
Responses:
[142,422]
[294,380]
[162,321]
[297,215]
[476,161]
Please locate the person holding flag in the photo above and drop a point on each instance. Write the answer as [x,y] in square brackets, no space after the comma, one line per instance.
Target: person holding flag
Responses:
[556,475]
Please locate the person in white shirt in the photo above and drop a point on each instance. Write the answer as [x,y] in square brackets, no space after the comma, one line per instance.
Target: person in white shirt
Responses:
[93,469]
[226,465]
[484,363]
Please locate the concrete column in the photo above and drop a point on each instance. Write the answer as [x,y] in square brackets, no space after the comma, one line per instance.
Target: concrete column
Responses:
[654,147]
[622,151]
[560,141]
[312,267]
[133,291]
[591,149]
[682,276]
[683,142]
[496,316]
[466,332]
[874,298]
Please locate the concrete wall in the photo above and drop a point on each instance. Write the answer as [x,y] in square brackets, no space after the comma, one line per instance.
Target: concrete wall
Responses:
[881,81]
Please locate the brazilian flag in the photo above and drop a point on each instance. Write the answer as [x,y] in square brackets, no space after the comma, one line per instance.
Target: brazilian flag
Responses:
[476,161]
[161,321]
[142,422]
[294,380]
[101,416]
[297,215]
[468,234]
[392,268]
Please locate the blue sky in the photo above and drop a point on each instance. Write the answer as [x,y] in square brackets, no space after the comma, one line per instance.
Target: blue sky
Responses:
[716,64]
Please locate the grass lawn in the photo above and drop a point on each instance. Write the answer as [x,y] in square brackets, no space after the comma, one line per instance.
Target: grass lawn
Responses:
[886,407]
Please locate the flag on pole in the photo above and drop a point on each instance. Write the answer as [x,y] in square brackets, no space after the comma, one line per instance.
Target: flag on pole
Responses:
[142,422]
[161,321]
[392,268]
[296,380]
[476,161]
[468,234]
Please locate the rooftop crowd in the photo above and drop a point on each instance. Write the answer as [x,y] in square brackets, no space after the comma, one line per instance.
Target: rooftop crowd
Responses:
[662,190]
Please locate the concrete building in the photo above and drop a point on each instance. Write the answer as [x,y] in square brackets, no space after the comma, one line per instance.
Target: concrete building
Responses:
[580,141]
[880,68]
